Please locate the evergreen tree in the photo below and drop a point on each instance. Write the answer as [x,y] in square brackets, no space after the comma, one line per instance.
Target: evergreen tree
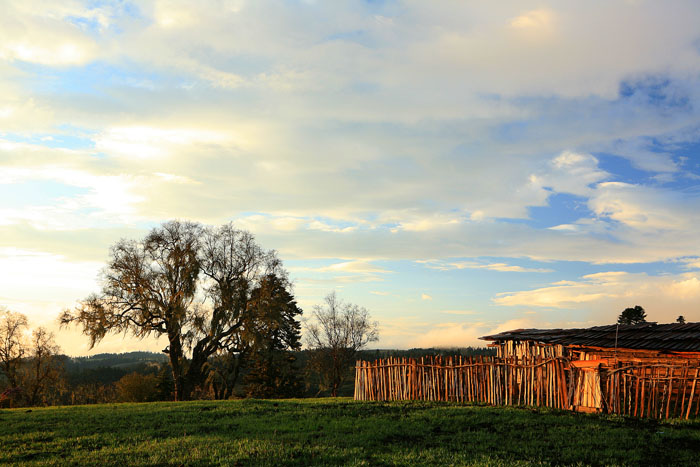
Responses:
[634,315]
[274,332]
[164,383]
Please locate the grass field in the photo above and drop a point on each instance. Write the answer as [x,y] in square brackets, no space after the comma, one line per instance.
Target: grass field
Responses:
[326,431]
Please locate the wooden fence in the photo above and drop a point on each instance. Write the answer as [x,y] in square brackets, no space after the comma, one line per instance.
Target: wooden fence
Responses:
[479,379]
[651,390]
[657,391]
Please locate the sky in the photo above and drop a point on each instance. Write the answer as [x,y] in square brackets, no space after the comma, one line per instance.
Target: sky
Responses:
[458,168]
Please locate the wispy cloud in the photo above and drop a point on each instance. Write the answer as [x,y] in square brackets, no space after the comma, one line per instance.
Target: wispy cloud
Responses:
[501,267]
[664,297]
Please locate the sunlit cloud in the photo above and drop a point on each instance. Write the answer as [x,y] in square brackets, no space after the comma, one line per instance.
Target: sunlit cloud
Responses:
[46,281]
[380,293]
[451,334]
[456,265]
[645,208]
[665,297]
[533,19]
[147,142]
[357,266]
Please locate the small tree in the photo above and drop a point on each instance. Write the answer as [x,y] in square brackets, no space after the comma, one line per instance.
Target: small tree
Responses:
[137,387]
[634,315]
[338,331]
[43,371]
[30,366]
[680,319]
[13,346]
[164,383]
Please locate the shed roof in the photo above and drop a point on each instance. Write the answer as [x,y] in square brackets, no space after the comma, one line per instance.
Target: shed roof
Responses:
[674,337]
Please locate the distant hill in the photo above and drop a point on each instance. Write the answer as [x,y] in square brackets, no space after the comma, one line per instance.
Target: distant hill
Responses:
[118,360]
[106,368]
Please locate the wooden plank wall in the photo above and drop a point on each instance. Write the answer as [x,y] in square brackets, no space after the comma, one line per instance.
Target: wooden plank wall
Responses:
[625,388]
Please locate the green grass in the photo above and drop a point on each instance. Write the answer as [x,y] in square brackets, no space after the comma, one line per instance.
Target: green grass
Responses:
[331,432]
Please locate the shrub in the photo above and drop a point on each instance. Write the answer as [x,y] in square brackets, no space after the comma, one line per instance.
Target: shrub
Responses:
[137,387]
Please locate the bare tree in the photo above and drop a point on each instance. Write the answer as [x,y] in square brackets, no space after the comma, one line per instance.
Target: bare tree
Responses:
[12,344]
[188,282]
[337,332]
[31,366]
[43,371]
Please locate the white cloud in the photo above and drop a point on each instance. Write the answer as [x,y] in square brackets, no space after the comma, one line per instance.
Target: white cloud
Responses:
[573,173]
[535,19]
[601,294]
[41,284]
[645,208]
[318,225]
[422,224]
[458,312]
[463,334]
[355,271]
[691,263]
[425,296]
[147,142]
[380,293]
[112,197]
[500,267]
[39,34]
[356,266]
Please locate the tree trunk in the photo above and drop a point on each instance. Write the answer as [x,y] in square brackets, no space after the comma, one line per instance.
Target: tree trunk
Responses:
[176,364]
[177,379]
[195,369]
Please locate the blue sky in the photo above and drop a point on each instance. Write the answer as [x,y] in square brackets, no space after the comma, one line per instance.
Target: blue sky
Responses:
[458,168]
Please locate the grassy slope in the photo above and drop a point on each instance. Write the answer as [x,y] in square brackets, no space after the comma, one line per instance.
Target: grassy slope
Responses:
[325,431]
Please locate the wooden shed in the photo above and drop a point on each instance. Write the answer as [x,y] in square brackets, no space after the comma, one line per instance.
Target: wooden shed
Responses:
[615,359]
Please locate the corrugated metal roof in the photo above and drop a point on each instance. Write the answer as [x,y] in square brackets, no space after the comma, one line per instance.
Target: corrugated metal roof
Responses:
[646,336]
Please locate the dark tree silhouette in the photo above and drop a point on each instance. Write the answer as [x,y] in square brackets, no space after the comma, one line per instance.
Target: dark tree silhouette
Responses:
[338,331]
[43,371]
[275,332]
[680,319]
[634,315]
[187,282]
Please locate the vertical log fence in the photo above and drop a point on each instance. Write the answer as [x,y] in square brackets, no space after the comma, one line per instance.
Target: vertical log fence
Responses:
[633,389]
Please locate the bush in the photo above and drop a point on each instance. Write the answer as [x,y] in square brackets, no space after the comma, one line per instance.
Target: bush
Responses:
[137,387]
